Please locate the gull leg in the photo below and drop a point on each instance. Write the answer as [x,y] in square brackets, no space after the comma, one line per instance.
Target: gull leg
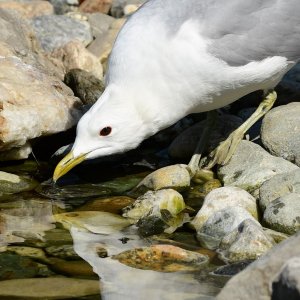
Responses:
[222,154]
[195,160]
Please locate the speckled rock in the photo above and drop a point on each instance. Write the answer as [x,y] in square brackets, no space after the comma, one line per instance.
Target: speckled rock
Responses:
[48,288]
[250,166]
[184,145]
[85,85]
[283,138]
[222,198]
[175,177]
[64,6]
[287,283]
[29,9]
[74,55]
[220,224]
[283,214]
[278,186]
[162,258]
[248,241]
[62,251]
[255,282]
[55,31]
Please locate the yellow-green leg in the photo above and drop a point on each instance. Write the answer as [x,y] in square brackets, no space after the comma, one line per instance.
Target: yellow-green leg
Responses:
[222,154]
[209,125]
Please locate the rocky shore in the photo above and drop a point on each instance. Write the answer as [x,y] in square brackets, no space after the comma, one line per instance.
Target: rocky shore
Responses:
[243,215]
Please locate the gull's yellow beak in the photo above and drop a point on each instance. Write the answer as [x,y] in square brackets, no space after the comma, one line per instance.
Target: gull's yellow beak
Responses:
[66,164]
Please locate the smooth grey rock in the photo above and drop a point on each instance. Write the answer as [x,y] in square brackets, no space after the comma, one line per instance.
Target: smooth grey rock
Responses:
[63,6]
[278,186]
[85,85]
[283,214]
[287,284]
[220,224]
[184,145]
[255,281]
[250,166]
[248,241]
[281,132]
[221,198]
[55,31]
[100,23]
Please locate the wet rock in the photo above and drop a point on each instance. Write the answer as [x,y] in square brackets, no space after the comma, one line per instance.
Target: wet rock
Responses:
[112,204]
[184,145]
[220,224]
[34,253]
[283,138]
[283,214]
[256,280]
[30,9]
[21,61]
[31,219]
[85,85]
[77,268]
[62,251]
[156,212]
[48,288]
[93,221]
[93,6]
[175,177]
[14,266]
[162,258]
[11,183]
[248,241]
[287,283]
[232,269]
[222,198]
[74,55]
[56,31]
[250,166]
[278,186]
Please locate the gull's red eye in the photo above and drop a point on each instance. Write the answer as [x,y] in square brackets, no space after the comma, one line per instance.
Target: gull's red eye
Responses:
[105,131]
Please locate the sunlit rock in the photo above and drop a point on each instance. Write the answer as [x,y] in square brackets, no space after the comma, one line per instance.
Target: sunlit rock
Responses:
[247,241]
[158,211]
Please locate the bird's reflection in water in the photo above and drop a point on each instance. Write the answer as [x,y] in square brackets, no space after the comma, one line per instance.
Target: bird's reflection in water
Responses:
[121,282]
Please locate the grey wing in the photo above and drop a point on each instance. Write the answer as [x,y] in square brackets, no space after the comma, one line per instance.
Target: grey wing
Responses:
[239,31]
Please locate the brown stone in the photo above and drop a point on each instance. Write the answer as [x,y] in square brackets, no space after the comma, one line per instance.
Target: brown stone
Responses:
[92,6]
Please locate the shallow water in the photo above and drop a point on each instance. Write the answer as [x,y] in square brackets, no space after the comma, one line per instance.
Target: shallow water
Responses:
[34,245]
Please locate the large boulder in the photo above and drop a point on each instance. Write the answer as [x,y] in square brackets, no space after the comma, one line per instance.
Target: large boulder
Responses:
[34,101]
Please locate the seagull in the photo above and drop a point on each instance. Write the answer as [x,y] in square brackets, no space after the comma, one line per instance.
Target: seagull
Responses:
[173,58]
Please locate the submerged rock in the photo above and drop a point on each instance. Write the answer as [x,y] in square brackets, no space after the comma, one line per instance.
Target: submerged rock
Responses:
[232,269]
[93,221]
[48,288]
[162,258]
[11,183]
[283,138]
[283,214]
[250,166]
[248,241]
[220,224]
[222,198]
[158,211]
[279,186]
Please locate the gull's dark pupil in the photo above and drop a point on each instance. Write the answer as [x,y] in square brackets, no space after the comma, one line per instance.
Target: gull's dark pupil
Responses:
[105,131]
